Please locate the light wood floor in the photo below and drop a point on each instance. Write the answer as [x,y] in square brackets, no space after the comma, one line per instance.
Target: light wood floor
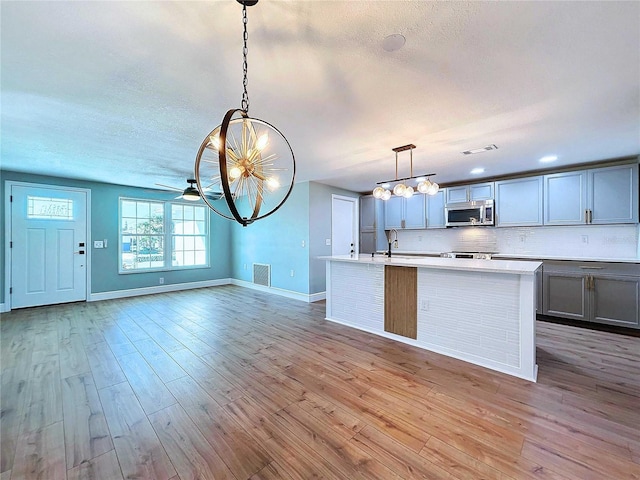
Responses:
[232,383]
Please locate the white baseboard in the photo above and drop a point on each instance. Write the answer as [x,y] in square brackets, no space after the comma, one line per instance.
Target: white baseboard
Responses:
[3,308]
[134,292]
[316,297]
[305,297]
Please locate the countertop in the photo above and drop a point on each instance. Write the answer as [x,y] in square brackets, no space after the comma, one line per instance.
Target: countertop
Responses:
[518,267]
[507,256]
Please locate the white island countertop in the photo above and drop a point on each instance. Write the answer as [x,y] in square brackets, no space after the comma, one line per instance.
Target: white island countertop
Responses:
[518,267]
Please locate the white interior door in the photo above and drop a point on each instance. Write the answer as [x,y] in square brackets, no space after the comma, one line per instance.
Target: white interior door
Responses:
[49,245]
[344,225]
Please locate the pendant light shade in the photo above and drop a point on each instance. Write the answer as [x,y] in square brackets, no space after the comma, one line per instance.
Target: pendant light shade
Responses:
[424,186]
[249,160]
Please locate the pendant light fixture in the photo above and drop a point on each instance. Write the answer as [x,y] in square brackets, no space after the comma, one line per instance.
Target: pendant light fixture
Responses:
[424,183]
[249,160]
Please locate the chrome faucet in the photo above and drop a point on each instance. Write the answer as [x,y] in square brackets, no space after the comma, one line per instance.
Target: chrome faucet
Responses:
[395,241]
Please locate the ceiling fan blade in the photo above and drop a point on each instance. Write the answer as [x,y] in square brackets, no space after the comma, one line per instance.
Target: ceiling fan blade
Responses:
[175,189]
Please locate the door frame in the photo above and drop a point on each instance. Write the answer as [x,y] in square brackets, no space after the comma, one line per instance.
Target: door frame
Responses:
[355,201]
[8,213]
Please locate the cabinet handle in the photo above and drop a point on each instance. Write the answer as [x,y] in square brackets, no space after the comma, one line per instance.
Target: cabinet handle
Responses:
[590,216]
[586,215]
[584,267]
[402,224]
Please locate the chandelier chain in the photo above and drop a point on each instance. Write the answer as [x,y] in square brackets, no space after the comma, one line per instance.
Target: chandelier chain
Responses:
[245,51]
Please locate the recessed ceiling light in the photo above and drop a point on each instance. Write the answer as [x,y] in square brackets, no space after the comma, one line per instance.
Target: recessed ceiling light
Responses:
[477,171]
[393,42]
[548,159]
[481,149]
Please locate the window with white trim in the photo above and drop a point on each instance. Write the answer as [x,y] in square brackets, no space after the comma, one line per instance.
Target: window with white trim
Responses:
[162,235]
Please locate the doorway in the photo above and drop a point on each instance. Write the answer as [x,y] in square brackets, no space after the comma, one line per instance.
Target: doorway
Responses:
[47,250]
[344,225]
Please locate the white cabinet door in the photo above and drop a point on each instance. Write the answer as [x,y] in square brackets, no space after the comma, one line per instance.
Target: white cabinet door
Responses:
[613,194]
[414,212]
[481,191]
[458,194]
[565,198]
[393,213]
[435,209]
[519,202]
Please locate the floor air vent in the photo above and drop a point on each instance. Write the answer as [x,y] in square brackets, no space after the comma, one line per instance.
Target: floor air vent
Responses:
[262,274]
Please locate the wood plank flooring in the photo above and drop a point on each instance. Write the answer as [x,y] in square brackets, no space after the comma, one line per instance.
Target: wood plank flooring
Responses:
[231,383]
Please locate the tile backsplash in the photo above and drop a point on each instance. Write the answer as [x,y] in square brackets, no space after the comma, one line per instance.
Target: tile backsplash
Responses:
[597,241]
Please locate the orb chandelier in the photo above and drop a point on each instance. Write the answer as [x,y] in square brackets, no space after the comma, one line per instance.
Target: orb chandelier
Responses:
[401,189]
[249,160]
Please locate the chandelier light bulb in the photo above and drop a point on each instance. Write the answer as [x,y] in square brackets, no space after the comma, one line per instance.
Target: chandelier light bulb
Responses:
[262,141]
[408,192]
[433,188]
[378,192]
[399,189]
[235,172]
[423,187]
[273,183]
[386,195]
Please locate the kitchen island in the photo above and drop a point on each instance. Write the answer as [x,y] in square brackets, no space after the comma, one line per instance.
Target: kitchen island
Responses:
[479,311]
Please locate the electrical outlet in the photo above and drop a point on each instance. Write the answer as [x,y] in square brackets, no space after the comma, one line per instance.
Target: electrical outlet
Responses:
[522,238]
[98,244]
[419,238]
[161,279]
[585,238]
[327,241]
[245,266]
[302,243]
[292,273]
[424,305]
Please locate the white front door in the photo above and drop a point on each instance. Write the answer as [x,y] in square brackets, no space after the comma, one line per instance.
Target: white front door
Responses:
[48,245]
[344,225]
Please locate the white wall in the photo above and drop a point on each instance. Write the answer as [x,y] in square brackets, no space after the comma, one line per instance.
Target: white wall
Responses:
[597,241]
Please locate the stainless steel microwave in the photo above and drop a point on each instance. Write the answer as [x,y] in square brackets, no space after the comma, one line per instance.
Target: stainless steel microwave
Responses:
[479,212]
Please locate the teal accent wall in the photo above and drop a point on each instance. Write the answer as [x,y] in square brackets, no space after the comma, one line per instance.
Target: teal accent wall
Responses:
[104,225]
[277,240]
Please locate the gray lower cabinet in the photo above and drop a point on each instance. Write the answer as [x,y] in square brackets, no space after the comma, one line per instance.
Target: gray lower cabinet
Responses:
[593,291]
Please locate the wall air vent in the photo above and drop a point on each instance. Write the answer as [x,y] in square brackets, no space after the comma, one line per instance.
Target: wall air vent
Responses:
[481,149]
[262,274]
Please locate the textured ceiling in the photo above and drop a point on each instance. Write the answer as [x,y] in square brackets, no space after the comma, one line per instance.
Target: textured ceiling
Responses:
[124,92]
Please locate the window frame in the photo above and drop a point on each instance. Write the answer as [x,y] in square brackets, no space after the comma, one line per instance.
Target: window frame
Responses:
[167,237]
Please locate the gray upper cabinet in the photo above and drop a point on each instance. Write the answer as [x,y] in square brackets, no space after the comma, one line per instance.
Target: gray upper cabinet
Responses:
[414,212]
[613,192]
[393,213]
[519,202]
[408,213]
[598,196]
[467,193]
[435,209]
[565,198]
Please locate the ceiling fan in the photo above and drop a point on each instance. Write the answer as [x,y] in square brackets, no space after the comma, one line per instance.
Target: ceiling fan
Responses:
[191,193]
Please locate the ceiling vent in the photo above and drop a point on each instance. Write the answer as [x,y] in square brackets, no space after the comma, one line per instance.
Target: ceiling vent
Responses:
[480,150]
